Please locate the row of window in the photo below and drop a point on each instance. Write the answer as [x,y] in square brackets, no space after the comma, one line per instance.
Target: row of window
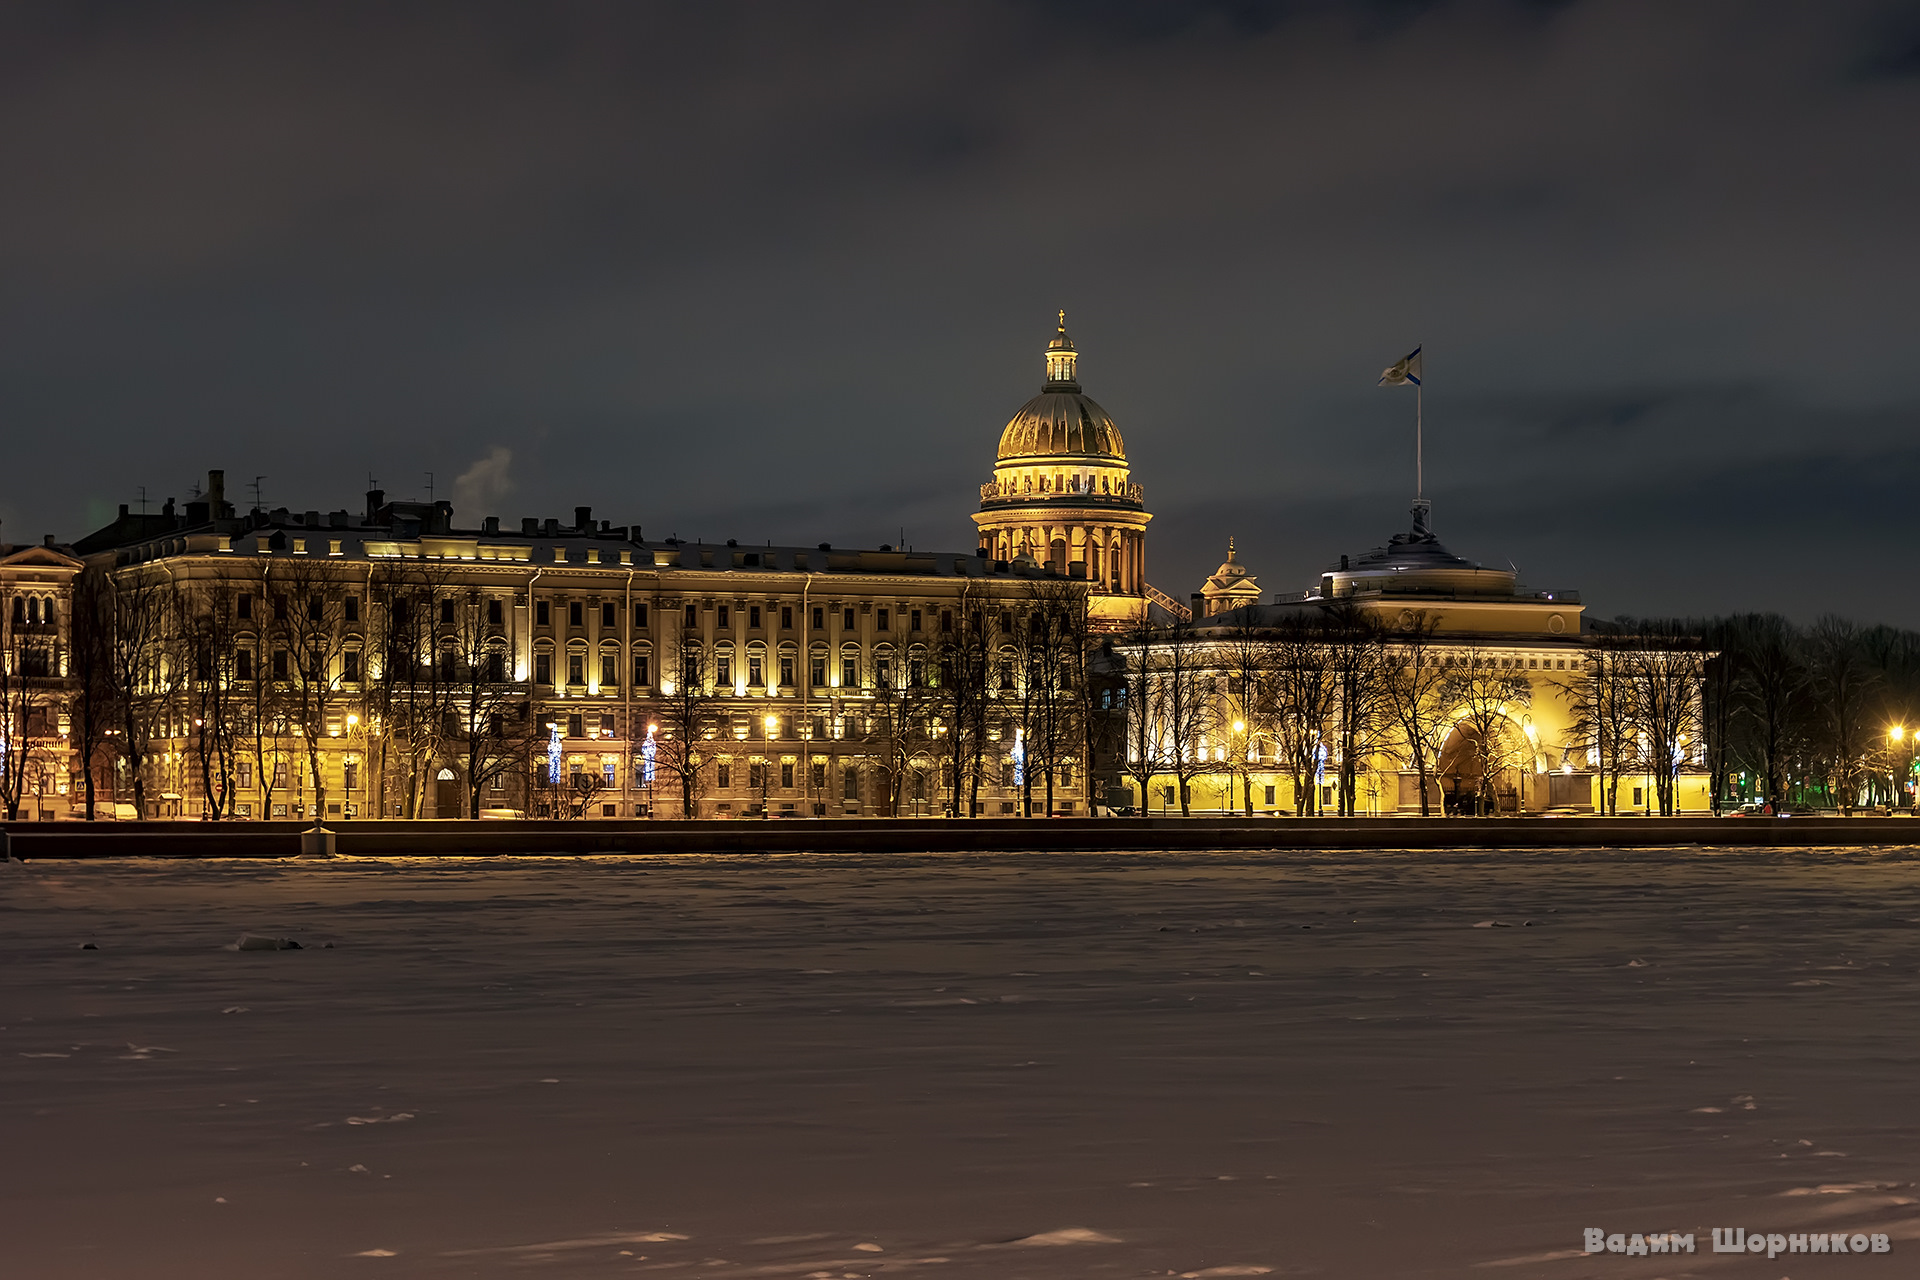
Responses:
[33,611]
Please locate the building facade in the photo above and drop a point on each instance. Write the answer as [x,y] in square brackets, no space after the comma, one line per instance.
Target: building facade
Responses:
[386,662]
[36,680]
[1408,663]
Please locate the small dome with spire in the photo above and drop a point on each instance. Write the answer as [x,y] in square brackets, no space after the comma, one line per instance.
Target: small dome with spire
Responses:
[1230,586]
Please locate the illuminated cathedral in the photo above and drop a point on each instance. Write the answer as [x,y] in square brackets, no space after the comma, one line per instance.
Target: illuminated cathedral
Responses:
[1062,495]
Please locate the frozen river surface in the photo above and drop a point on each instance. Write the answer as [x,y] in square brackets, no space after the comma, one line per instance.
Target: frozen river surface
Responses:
[1354,1065]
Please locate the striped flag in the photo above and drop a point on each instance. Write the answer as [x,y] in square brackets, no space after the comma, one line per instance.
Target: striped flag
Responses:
[1407,371]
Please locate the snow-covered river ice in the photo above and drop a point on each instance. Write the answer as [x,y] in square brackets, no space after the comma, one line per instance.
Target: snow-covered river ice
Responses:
[1356,1065]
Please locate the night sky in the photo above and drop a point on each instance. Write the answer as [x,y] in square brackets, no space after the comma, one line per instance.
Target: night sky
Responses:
[783,271]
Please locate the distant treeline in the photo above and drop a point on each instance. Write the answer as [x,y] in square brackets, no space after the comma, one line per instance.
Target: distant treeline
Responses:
[1819,716]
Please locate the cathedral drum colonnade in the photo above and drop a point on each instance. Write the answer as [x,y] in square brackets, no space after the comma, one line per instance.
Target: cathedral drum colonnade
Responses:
[1061,494]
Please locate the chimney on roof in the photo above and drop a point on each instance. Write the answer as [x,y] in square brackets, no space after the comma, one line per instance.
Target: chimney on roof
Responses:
[49,539]
[217,495]
[490,525]
[583,519]
[376,499]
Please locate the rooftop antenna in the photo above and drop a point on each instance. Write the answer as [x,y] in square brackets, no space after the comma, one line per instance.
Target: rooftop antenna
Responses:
[259,503]
[143,500]
[429,487]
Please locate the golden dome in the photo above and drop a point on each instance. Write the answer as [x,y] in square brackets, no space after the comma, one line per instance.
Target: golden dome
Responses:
[1060,421]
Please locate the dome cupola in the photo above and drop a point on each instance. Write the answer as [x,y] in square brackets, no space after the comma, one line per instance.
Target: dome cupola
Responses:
[1061,360]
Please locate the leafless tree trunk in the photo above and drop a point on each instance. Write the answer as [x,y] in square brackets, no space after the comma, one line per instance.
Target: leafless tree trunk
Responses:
[1412,695]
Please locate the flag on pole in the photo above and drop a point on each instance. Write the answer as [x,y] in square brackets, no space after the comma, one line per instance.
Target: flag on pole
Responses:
[1405,373]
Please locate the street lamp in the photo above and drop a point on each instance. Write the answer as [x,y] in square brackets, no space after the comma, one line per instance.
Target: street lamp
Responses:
[772,722]
[1898,734]
[1242,757]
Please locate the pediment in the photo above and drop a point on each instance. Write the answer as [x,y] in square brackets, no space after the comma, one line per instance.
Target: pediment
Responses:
[39,557]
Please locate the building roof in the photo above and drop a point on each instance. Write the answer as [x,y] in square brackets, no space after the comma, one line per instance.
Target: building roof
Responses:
[1415,561]
[402,531]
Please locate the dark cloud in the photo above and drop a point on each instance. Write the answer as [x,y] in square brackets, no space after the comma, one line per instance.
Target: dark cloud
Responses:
[783,271]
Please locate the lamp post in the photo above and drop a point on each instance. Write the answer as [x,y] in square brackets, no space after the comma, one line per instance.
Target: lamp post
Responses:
[347,809]
[1896,735]
[766,768]
[1238,750]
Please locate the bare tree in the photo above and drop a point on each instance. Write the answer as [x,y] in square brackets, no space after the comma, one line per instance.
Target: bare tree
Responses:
[421,670]
[90,653]
[1601,703]
[259,680]
[1136,671]
[1777,687]
[1245,656]
[899,721]
[492,716]
[139,620]
[1485,695]
[960,698]
[1305,689]
[310,611]
[1412,690]
[1189,704]
[1721,684]
[1356,659]
[1050,639]
[204,627]
[1842,682]
[1663,661]
[687,717]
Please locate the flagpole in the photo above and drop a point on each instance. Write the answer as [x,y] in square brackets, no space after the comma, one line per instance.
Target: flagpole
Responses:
[1419,444]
